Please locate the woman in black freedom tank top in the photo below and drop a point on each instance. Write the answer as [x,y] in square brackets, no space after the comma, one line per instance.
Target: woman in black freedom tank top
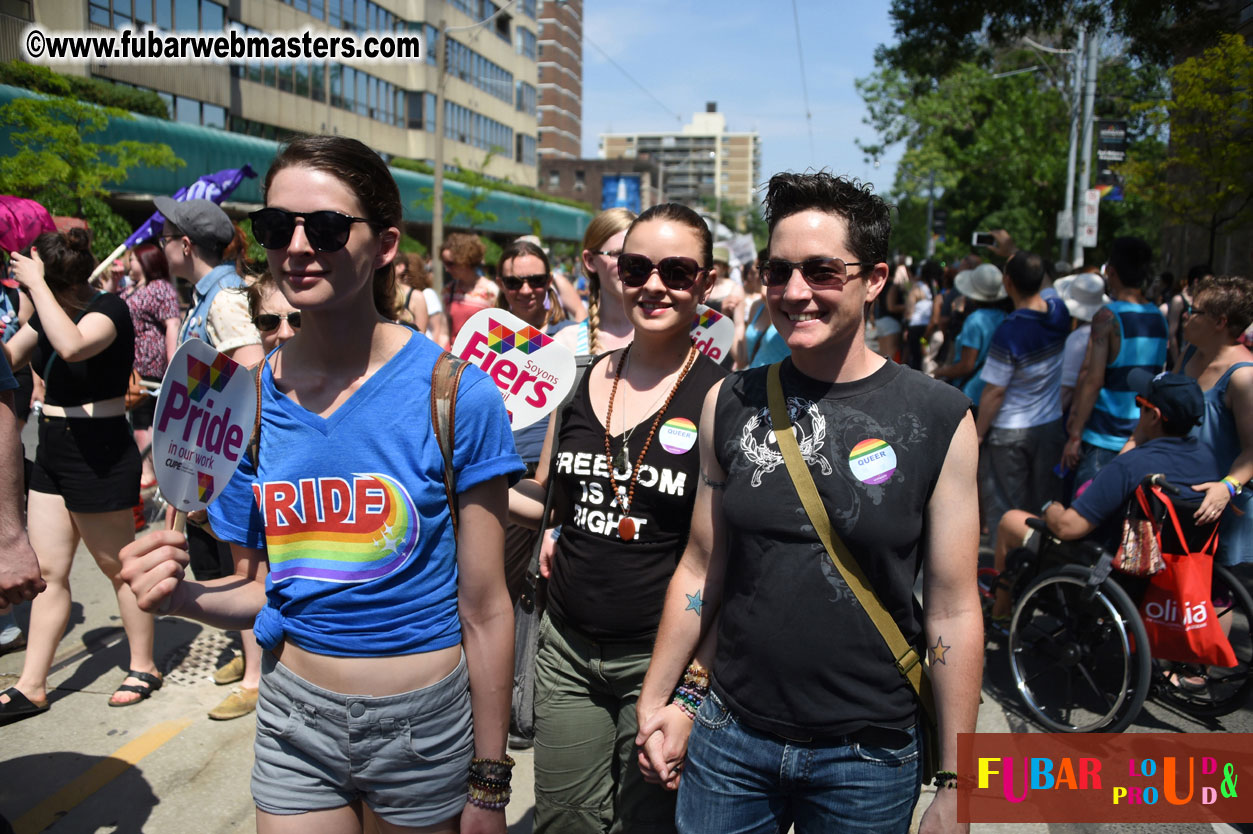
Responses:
[636,413]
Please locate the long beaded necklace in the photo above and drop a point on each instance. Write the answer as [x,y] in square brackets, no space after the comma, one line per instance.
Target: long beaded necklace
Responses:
[626,525]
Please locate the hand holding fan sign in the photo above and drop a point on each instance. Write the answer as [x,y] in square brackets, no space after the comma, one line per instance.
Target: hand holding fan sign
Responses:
[203,424]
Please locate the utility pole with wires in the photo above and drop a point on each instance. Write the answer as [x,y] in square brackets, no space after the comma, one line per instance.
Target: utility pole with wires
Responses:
[437,198]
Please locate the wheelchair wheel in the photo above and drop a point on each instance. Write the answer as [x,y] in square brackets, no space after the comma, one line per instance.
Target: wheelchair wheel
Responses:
[1080,661]
[1211,691]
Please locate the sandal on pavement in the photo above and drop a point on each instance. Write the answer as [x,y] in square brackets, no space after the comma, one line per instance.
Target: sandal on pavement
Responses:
[237,704]
[18,706]
[231,672]
[153,683]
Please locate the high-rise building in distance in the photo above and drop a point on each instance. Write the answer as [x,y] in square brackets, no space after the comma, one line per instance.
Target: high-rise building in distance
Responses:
[560,79]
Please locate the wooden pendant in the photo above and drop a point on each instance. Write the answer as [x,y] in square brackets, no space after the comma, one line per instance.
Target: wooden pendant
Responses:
[626,528]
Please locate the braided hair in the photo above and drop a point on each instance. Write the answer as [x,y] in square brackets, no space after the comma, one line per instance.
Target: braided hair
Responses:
[603,226]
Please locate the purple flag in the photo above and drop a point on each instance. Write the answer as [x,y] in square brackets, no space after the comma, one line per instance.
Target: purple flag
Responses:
[215,187]
[21,221]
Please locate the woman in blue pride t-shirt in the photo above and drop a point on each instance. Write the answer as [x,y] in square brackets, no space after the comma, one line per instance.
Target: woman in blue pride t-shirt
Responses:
[367,590]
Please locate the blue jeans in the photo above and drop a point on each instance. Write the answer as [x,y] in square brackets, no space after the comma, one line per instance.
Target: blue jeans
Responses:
[737,780]
[1092,459]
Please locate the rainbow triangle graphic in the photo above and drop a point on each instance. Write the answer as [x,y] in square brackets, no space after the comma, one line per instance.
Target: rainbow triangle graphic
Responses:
[203,377]
[706,318]
[501,339]
[204,486]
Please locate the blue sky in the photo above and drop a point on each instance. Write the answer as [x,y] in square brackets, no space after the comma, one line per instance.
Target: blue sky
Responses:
[741,54]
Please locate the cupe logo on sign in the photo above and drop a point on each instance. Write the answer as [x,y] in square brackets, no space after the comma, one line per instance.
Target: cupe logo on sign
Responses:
[204,419]
[533,372]
[713,333]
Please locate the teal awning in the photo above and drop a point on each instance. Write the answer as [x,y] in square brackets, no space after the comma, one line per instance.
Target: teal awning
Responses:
[206,149]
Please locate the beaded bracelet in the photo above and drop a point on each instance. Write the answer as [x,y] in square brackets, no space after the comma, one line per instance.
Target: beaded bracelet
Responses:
[488,782]
[945,779]
[488,799]
[692,691]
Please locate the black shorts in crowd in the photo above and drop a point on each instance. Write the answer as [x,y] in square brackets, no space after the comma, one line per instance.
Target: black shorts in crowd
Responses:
[92,463]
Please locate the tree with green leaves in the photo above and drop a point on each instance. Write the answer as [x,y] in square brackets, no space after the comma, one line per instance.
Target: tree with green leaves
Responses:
[467,205]
[1205,176]
[933,39]
[991,142]
[53,161]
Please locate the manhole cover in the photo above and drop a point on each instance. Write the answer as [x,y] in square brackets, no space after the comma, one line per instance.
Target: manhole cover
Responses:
[195,662]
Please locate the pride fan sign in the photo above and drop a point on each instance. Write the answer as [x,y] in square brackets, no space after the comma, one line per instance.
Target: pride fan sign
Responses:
[203,423]
[533,372]
[713,333]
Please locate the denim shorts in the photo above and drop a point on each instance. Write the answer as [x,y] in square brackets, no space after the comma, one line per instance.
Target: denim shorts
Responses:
[738,779]
[406,756]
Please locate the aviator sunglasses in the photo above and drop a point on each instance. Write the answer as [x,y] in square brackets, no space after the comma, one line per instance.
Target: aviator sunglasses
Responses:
[513,283]
[819,272]
[270,321]
[326,231]
[677,273]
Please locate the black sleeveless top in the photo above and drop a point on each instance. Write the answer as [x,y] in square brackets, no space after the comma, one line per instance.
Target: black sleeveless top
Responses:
[796,653]
[103,376]
[604,587]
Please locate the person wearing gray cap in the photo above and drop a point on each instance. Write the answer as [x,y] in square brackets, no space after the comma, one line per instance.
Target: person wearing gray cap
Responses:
[987,305]
[195,235]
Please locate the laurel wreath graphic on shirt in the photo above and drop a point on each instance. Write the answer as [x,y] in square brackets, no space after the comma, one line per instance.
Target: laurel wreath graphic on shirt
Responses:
[768,459]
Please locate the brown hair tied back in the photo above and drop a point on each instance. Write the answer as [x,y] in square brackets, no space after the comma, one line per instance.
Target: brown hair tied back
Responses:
[68,263]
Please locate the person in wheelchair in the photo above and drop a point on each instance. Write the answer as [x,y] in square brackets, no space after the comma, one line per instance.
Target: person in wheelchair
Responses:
[1170,405]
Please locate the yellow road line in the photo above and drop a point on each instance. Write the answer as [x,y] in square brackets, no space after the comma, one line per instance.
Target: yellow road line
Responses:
[100,774]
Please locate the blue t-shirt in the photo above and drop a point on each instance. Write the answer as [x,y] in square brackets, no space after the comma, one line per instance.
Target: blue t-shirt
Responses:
[1026,360]
[1182,460]
[977,333]
[352,512]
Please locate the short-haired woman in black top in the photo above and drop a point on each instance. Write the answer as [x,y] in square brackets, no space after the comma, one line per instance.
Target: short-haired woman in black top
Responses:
[86,475]
[626,472]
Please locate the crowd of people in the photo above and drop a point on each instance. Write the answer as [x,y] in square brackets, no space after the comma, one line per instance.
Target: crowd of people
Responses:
[696,523]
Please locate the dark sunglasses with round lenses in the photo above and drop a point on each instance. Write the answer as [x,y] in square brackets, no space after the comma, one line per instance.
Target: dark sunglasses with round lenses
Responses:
[326,231]
[266,322]
[820,272]
[513,283]
[676,272]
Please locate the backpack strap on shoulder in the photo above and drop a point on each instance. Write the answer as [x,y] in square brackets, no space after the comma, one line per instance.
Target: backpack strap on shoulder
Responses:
[445,378]
[254,442]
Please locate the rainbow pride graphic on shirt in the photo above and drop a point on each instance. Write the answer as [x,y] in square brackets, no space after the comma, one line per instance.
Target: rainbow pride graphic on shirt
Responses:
[872,461]
[501,339]
[203,377]
[336,530]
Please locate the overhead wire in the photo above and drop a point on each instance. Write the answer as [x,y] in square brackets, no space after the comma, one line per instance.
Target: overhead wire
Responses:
[800,55]
[631,78]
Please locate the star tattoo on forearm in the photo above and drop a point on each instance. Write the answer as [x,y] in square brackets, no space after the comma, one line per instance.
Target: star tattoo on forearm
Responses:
[938,651]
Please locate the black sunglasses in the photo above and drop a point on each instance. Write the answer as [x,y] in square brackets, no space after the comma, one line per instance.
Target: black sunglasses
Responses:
[513,283]
[266,322]
[677,273]
[822,272]
[326,231]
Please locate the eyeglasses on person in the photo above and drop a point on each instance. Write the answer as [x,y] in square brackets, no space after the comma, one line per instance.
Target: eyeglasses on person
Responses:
[326,231]
[1190,309]
[818,272]
[513,283]
[266,322]
[676,272]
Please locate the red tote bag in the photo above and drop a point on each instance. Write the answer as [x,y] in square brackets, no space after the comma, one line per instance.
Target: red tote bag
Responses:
[1177,610]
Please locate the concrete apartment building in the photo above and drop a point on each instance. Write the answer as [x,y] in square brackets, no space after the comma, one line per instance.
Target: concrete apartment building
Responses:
[490,92]
[702,161]
[560,79]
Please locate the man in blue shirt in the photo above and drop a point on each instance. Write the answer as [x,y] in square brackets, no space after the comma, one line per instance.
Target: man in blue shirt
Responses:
[1020,412]
[1127,333]
[1170,405]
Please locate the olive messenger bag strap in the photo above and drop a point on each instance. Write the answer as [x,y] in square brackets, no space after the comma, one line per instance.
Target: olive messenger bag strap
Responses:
[908,661]
[445,378]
